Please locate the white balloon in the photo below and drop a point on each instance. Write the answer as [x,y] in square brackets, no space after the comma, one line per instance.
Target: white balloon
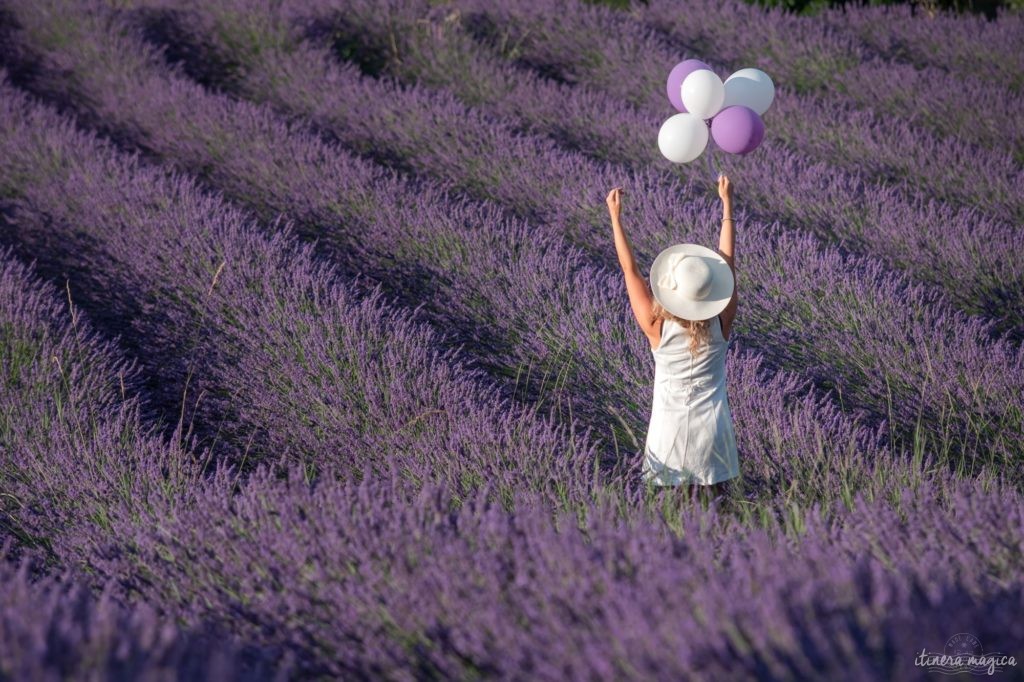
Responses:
[703,93]
[751,88]
[683,137]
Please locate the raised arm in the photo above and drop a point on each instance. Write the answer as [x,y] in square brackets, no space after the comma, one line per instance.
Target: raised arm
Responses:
[640,298]
[727,248]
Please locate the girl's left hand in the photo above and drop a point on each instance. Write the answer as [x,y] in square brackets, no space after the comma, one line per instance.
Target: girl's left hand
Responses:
[615,202]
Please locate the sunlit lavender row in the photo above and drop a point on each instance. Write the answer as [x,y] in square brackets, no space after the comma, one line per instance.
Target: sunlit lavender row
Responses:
[76,458]
[73,442]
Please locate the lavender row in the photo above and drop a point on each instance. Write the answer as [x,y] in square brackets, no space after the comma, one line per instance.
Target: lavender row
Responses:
[358,580]
[815,55]
[72,442]
[75,456]
[802,311]
[960,43]
[204,294]
[54,628]
[836,205]
[574,47]
[540,298]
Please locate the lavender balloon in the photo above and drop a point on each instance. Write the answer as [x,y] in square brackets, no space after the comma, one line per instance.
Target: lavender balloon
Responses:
[675,81]
[737,129]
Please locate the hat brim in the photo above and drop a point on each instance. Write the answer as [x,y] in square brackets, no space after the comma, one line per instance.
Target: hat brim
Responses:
[718,297]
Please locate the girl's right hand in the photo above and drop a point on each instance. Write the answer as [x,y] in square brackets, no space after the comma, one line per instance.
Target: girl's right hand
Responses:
[614,201]
[724,187]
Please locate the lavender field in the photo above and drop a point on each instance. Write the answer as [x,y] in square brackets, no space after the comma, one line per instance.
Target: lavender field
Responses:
[318,363]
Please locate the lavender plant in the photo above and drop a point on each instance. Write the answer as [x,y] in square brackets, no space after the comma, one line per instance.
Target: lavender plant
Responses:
[73,448]
[74,458]
[55,628]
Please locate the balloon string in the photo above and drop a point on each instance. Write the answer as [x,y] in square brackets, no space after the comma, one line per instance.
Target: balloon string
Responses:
[714,173]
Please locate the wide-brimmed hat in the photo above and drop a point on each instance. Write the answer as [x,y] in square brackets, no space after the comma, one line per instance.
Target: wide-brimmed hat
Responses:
[691,281]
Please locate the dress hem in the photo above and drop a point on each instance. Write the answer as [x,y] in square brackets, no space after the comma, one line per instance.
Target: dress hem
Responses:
[687,481]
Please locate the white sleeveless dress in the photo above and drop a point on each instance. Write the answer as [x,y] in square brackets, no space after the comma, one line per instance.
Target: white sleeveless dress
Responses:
[690,438]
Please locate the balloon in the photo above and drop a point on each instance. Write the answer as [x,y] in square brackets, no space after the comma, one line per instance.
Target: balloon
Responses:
[683,137]
[737,129]
[676,77]
[703,93]
[751,88]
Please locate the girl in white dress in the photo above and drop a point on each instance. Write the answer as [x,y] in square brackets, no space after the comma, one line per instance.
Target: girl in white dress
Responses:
[686,312]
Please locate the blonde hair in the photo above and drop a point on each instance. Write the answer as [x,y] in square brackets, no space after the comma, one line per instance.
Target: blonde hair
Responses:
[700,330]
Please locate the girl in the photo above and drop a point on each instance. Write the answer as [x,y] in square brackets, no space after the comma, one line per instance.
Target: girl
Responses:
[686,312]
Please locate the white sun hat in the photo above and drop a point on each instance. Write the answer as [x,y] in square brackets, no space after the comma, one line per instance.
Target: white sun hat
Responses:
[691,281]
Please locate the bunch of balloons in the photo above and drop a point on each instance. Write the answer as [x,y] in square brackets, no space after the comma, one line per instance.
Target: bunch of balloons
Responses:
[731,110]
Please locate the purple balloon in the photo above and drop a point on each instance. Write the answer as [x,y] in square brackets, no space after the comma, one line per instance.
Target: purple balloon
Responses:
[676,77]
[737,129]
